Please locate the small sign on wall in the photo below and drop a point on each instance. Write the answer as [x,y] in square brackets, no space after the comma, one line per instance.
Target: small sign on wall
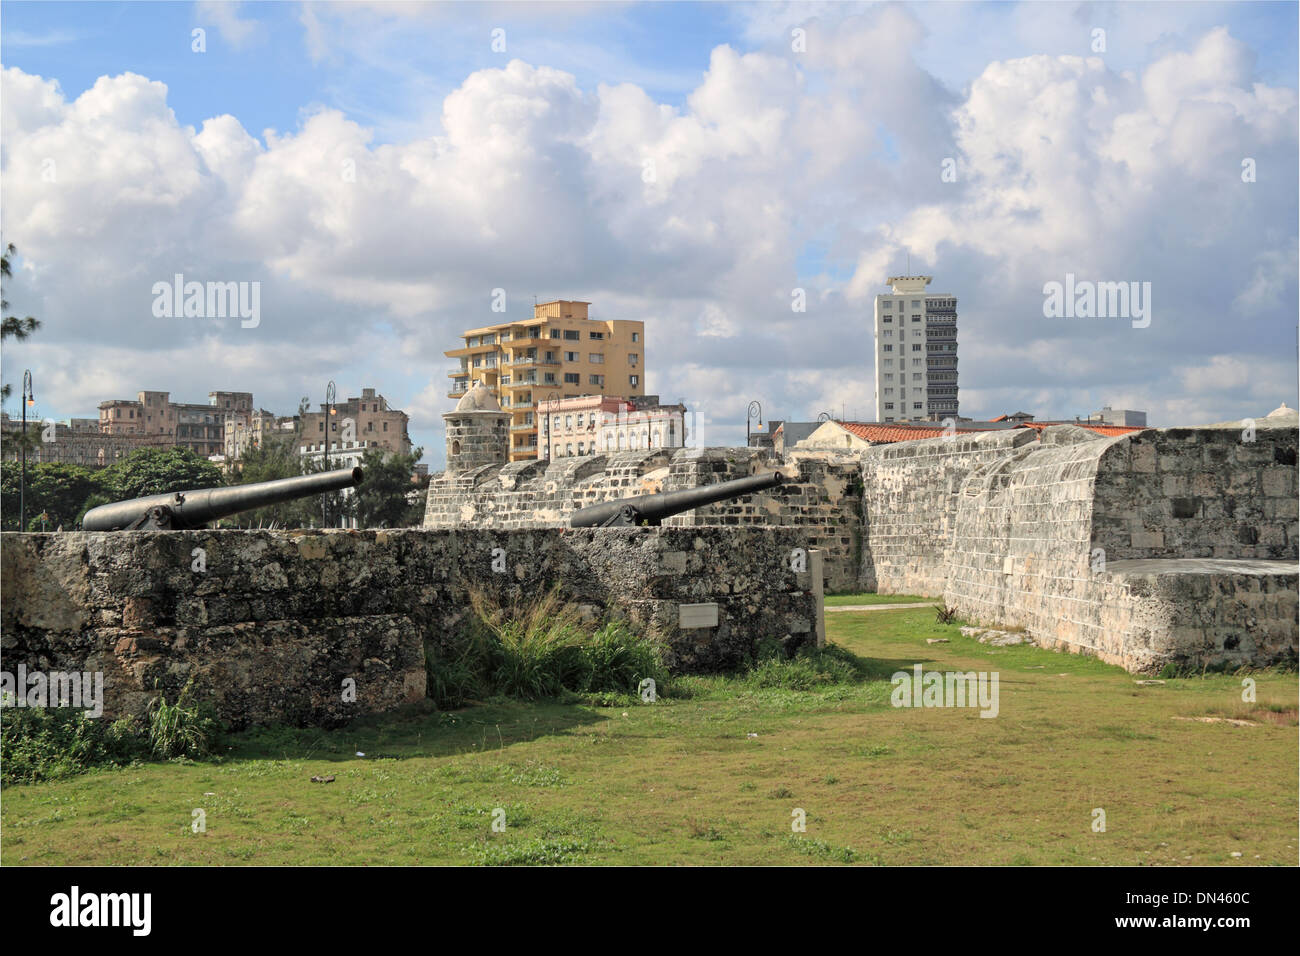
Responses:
[697,615]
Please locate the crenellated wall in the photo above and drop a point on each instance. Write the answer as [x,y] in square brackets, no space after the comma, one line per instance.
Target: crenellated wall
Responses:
[822,495]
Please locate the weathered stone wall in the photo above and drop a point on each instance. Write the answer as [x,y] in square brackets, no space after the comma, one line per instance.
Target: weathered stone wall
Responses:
[910,496]
[1197,493]
[278,620]
[1089,544]
[822,495]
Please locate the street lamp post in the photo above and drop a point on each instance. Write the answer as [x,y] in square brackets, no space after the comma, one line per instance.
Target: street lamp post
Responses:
[546,425]
[28,399]
[755,411]
[329,423]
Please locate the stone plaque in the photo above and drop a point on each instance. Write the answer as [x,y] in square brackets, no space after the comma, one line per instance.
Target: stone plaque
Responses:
[697,615]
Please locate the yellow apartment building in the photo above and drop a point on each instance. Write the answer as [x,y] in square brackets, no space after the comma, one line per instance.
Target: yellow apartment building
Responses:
[559,353]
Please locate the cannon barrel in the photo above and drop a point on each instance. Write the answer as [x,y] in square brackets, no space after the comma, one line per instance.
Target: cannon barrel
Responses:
[652,509]
[179,510]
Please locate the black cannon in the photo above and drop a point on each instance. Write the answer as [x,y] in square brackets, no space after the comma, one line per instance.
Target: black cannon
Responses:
[182,510]
[650,510]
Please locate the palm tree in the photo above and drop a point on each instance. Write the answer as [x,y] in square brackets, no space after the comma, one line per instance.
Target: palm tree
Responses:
[12,325]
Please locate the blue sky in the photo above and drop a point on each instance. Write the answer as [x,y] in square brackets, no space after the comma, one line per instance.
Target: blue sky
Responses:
[776,170]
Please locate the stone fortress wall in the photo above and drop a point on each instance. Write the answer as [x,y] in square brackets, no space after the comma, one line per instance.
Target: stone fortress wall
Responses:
[274,622]
[1161,546]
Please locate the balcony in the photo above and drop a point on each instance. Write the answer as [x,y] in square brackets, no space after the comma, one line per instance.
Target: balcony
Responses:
[458,372]
[523,428]
[525,360]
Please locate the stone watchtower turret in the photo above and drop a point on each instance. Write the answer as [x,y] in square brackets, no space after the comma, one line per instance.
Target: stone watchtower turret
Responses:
[478,431]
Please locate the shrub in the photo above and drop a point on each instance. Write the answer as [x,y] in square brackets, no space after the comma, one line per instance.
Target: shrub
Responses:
[945,614]
[45,744]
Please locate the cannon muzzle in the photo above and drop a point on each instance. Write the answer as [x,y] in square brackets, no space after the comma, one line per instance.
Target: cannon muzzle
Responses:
[181,510]
[652,509]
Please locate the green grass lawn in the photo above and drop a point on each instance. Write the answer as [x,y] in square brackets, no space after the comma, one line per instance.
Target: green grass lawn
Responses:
[714,774]
[839,600]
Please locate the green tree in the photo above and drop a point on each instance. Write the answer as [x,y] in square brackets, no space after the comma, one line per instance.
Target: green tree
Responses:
[156,471]
[12,326]
[382,500]
[58,490]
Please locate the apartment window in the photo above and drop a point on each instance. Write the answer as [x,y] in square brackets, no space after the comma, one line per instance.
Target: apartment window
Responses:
[572,378]
[596,335]
[916,303]
[572,335]
[889,391]
[320,426]
[595,380]
[916,363]
[889,377]
[595,358]
[634,379]
[916,406]
[568,421]
[889,406]
[568,449]
[887,318]
[555,333]
[385,426]
[570,356]
[889,363]
[636,336]
[916,318]
[916,376]
[887,305]
[887,348]
[580,448]
[916,348]
[631,358]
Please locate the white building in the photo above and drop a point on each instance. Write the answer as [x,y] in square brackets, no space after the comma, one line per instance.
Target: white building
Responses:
[915,352]
[602,424]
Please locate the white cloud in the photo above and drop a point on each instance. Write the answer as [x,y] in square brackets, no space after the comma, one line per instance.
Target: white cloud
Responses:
[692,218]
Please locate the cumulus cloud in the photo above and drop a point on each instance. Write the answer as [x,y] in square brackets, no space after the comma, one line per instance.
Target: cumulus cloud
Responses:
[694,218]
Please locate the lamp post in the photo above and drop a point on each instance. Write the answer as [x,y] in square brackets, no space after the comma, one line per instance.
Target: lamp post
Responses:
[330,412]
[546,425]
[755,411]
[28,399]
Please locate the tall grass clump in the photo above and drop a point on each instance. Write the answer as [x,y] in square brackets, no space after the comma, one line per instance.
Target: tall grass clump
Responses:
[809,669]
[182,729]
[534,649]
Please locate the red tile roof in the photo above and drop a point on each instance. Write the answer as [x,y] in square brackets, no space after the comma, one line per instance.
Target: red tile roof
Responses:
[883,433]
[1108,430]
[869,431]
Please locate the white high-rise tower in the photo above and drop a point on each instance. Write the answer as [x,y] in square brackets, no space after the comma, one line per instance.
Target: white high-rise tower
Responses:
[916,352]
